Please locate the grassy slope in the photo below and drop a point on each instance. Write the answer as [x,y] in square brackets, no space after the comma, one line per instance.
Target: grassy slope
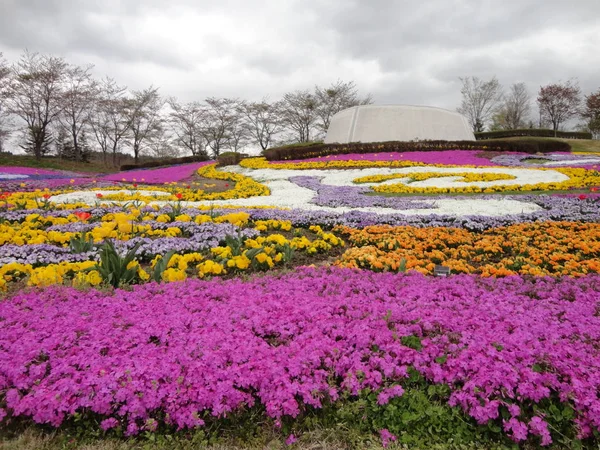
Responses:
[577,145]
[54,163]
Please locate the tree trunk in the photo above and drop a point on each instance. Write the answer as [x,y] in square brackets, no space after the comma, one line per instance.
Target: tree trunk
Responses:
[75,143]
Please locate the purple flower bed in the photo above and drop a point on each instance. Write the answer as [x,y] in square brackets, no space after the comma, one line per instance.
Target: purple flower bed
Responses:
[569,208]
[199,237]
[468,157]
[51,183]
[158,176]
[41,179]
[517,159]
[41,254]
[172,352]
[33,171]
[354,196]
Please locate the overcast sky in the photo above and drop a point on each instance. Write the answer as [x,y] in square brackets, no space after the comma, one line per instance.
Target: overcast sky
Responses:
[403,52]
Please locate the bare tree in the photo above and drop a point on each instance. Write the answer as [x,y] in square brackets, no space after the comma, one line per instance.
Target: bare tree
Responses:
[333,99]
[480,100]
[5,118]
[591,113]
[516,107]
[79,99]
[187,123]
[162,145]
[111,121]
[299,114]
[145,117]
[263,121]
[221,118]
[239,134]
[559,102]
[35,96]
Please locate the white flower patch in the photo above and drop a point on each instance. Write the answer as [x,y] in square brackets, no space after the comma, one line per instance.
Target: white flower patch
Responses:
[286,194]
[90,197]
[346,177]
[12,176]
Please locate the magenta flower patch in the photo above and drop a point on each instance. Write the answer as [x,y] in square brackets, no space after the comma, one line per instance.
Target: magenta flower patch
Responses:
[174,352]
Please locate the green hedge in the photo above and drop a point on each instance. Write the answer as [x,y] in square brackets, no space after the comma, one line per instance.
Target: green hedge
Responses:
[165,162]
[533,133]
[319,150]
[230,158]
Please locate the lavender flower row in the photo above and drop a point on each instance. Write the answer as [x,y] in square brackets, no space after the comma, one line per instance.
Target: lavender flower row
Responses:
[41,254]
[202,237]
[354,197]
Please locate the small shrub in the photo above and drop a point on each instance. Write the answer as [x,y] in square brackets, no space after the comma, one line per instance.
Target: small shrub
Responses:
[114,268]
[230,158]
[81,243]
[161,266]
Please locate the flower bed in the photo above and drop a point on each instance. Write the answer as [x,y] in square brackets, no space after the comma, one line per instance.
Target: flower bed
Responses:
[511,351]
[548,248]
[549,160]
[503,349]
[447,157]
[44,249]
[158,176]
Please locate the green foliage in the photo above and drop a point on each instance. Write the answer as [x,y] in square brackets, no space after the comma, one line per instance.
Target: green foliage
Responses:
[288,252]
[420,418]
[174,211]
[44,204]
[161,266]
[411,341]
[235,243]
[37,141]
[113,267]
[81,243]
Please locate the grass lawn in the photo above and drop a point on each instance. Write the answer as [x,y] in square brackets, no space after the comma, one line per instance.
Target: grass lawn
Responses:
[583,145]
[322,439]
[50,162]
[577,145]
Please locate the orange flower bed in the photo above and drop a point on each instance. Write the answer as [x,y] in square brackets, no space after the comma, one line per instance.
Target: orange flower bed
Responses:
[546,248]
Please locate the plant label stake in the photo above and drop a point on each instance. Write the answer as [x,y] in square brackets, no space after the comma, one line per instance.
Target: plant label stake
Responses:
[441,271]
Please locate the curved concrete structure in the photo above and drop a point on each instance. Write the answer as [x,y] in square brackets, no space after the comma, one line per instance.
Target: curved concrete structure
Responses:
[380,123]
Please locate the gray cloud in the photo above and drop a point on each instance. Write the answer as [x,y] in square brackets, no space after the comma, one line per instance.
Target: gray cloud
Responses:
[406,51]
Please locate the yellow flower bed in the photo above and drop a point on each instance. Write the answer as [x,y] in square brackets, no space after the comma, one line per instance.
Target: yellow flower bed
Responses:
[262,163]
[260,253]
[244,187]
[578,178]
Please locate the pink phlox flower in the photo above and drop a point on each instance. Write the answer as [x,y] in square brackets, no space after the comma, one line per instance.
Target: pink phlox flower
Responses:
[516,429]
[539,427]
[109,423]
[385,395]
[386,437]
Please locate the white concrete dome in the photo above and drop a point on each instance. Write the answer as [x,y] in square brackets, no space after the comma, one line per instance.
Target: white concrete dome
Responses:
[380,123]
